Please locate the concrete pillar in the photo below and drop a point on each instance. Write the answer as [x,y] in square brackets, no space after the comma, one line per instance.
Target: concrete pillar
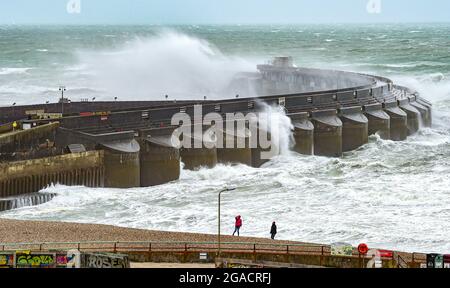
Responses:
[28,185]
[92,177]
[101,177]
[230,153]
[429,108]
[122,167]
[327,133]
[303,133]
[425,113]
[414,116]
[16,186]
[379,121]
[355,128]
[87,174]
[98,177]
[160,161]
[258,159]
[399,120]
[2,188]
[195,158]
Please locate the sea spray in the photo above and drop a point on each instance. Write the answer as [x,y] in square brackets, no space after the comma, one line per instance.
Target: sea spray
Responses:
[433,87]
[170,63]
[274,120]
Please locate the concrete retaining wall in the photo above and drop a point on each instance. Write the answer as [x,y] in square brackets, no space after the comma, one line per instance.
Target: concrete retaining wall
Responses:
[25,177]
[313,260]
[25,200]
[19,140]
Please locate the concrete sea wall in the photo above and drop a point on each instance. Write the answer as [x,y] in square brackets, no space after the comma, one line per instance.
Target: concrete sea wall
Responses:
[27,177]
[130,144]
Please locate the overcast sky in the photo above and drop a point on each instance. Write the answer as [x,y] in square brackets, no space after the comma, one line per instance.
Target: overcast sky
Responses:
[221,11]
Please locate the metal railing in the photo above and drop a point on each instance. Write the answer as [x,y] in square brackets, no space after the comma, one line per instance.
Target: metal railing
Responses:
[166,246]
[402,260]
[188,247]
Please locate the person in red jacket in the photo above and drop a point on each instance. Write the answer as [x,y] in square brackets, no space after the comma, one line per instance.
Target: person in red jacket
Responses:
[237,225]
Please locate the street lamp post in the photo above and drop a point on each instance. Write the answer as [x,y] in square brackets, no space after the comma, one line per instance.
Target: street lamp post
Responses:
[62,89]
[218,219]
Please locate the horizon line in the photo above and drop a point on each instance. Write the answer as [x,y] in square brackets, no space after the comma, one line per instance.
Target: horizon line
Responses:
[219,24]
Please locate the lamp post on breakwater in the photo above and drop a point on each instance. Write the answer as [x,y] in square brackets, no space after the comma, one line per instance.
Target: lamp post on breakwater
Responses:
[218,218]
[62,89]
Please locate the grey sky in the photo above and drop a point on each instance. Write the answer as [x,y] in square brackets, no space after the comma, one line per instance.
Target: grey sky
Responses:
[220,11]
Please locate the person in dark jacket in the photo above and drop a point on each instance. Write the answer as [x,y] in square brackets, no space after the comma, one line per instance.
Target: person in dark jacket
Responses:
[273,231]
[237,225]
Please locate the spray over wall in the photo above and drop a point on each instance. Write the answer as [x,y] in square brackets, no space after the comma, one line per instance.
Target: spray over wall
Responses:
[279,126]
[169,63]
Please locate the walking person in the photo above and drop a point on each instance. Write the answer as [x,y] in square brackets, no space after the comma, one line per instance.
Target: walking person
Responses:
[273,231]
[237,225]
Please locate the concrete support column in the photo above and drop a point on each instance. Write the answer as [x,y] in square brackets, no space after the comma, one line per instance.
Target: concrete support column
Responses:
[257,157]
[229,152]
[327,133]
[425,113]
[399,121]
[303,133]
[160,161]
[2,188]
[195,158]
[413,114]
[122,166]
[379,121]
[429,108]
[355,128]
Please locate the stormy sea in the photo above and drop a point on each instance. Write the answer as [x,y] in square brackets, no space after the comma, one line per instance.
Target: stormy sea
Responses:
[394,195]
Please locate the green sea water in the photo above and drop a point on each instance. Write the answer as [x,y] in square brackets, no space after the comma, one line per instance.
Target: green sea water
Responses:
[35,60]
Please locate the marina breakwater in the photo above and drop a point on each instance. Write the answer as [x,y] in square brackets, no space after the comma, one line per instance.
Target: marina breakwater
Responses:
[132,144]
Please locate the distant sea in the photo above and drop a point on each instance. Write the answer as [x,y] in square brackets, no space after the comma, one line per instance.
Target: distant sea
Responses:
[391,195]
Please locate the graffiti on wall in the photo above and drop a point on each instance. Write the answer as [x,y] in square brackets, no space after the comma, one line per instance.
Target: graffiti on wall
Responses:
[105,261]
[342,250]
[6,260]
[71,259]
[35,260]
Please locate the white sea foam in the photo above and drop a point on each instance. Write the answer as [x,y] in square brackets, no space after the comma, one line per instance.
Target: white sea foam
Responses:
[9,71]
